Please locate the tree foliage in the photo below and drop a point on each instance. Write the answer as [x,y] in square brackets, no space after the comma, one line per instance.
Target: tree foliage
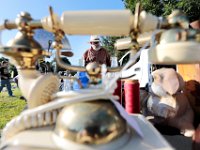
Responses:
[164,7]
[108,43]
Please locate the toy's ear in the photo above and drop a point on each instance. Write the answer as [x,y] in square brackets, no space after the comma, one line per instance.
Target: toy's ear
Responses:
[181,82]
[157,77]
[172,81]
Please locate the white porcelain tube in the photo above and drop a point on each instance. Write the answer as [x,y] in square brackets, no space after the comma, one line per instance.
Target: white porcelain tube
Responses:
[148,22]
[123,44]
[101,22]
[107,22]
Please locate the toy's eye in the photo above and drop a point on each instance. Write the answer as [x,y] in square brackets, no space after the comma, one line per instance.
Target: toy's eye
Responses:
[153,78]
[161,77]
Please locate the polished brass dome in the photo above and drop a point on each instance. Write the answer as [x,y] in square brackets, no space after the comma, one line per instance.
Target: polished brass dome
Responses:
[93,68]
[23,50]
[24,42]
[94,122]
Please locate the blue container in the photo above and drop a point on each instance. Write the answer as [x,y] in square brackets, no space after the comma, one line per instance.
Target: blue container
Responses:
[83,77]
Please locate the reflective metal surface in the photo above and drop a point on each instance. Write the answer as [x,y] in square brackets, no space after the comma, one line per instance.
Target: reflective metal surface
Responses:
[43,37]
[23,49]
[93,68]
[96,122]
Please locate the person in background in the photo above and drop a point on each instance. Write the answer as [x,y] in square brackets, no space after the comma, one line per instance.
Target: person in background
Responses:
[5,77]
[96,53]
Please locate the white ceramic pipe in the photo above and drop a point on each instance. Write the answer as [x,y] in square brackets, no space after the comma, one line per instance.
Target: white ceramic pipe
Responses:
[123,44]
[110,22]
[101,22]
[104,22]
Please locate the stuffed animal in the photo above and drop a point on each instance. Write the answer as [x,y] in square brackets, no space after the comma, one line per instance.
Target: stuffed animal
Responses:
[168,101]
[192,90]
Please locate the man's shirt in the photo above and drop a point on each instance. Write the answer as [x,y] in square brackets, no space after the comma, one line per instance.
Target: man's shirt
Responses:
[4,73]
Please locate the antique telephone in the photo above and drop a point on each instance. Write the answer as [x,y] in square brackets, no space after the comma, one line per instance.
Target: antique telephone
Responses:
[116,129]
[45,102]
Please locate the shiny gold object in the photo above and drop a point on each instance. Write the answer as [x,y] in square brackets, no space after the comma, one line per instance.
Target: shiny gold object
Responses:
[95,122]
[94,70]
[24,49]
[134,33]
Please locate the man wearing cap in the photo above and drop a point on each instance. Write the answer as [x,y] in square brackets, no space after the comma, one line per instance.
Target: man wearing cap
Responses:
[96,53]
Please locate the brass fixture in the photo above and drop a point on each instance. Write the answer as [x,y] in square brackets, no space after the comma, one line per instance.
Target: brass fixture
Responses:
[23,49]
[99,122]
[94,71]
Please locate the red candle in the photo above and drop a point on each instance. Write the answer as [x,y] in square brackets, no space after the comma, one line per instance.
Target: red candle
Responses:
[132,96]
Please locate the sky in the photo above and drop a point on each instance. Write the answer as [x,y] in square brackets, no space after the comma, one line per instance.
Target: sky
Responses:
[39,9]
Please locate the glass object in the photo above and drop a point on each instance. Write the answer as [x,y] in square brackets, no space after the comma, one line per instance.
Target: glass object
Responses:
[114,62]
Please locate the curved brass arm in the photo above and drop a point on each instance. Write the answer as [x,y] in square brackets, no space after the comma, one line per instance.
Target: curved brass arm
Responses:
[79,68]
[66,66]
[114,69]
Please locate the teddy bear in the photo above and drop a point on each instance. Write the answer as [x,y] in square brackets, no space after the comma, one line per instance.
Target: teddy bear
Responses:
[168,101]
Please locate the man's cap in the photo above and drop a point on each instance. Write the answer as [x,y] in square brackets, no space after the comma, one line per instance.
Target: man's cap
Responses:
[94,38]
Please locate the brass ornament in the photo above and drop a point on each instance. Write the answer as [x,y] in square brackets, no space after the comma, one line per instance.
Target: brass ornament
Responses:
[95,122]
[24,49]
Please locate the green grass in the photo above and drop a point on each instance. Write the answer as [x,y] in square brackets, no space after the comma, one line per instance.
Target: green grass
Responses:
[10,106]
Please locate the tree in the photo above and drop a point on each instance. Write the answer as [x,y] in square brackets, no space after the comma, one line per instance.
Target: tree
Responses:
[108,43]
[190,7]
[151,6]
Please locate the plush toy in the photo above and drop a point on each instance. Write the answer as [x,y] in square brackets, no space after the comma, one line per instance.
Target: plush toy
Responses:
[168,101]
[192,90]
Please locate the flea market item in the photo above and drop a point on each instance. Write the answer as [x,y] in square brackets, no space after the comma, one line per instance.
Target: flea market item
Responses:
[87,119]
[192,88]
[169,102]
[132,96]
